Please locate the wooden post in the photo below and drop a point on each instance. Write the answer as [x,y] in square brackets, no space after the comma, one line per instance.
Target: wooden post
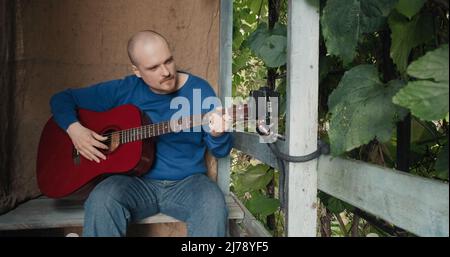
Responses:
[302,112]
[225,73]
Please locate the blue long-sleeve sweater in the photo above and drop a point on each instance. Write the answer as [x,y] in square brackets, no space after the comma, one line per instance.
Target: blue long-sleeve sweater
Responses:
[178,155]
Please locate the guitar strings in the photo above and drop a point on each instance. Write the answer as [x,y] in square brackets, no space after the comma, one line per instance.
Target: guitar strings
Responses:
[167,123]
[152,126]
[141,131]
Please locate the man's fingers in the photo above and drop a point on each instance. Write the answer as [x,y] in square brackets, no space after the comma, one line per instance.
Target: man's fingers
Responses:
[98,137]
[220,123]
[86,141]
[99,145]
[213,122]
[85,155]
[95,142]
[88,155]
[97,154]
[92,154]
[226,118]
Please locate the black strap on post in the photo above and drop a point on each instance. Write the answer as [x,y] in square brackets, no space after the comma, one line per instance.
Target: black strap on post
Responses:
[322,148]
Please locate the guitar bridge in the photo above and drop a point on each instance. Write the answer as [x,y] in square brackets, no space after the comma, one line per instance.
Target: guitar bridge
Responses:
[76,156]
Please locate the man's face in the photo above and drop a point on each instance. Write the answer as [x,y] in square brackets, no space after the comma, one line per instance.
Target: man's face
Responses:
[156,66]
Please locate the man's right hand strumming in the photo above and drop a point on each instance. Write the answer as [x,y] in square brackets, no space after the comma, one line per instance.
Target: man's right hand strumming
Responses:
[87,141]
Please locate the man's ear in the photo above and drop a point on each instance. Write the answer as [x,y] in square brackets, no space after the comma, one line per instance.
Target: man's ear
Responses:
[136,71]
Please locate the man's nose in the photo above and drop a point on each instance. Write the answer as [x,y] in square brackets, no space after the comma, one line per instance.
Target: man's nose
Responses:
[165,71]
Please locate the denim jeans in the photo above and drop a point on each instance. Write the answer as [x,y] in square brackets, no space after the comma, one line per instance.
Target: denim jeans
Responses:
[119,199]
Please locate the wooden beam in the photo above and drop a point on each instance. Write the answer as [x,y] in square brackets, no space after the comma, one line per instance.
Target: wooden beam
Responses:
[44,212]
[301,116]
[225,71]
[249,144]
[414,203]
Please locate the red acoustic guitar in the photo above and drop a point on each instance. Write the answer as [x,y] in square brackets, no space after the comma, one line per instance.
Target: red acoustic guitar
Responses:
[62,171]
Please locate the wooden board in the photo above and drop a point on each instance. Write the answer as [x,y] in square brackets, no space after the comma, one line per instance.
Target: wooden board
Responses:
[414,203]
[50,213]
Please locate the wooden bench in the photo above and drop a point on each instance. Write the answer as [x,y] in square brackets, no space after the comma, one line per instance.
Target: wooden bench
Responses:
[50,217]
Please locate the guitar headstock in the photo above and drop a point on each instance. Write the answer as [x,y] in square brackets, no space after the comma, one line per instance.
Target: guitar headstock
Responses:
[253,116]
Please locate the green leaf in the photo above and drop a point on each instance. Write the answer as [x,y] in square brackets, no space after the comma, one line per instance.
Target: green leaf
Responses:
[408,34]
[374,8]
[233,88]
[337,206]
[374,14]
[269,45]
[441,165]
[344,21]
[255,5]
[340,28]
[273,52]
[282,99]
[240,60]
[427,98]
[422,130]
[409,8]
[279,29]
[361,109]
[262,205]
[433,65]
[323,196]
[256,177]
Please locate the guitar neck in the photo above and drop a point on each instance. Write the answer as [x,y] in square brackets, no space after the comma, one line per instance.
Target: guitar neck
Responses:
[157,129]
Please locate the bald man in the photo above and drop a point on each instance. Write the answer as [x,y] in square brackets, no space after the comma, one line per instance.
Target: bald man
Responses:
[176,184]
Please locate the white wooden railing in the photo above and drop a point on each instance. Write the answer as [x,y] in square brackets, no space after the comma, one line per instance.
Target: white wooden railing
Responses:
[416,204]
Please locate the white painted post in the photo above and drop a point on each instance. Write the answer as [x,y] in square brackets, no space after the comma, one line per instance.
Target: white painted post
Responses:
[302,112]
[225,73]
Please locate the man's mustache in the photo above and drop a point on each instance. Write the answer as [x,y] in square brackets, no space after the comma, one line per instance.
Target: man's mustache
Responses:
[166,79]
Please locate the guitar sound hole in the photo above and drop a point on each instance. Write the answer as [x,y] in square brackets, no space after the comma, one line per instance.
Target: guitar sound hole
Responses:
[111,141]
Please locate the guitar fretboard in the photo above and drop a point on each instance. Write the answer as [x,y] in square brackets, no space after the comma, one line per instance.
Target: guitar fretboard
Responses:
[157,129]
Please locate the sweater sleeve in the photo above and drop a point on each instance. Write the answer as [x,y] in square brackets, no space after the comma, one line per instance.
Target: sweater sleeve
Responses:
[219,146]
[98,97]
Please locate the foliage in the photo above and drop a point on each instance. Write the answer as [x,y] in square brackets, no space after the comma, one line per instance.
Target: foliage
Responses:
[248,70]
[249,182]
[427,98]
[442,163]
[359,93]
[367,102]
[344,22]
[269,44]
[406,35]
[333,204]
[379,61]
[409,8]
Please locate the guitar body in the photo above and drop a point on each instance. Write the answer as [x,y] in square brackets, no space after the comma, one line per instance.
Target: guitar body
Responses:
[61,172]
